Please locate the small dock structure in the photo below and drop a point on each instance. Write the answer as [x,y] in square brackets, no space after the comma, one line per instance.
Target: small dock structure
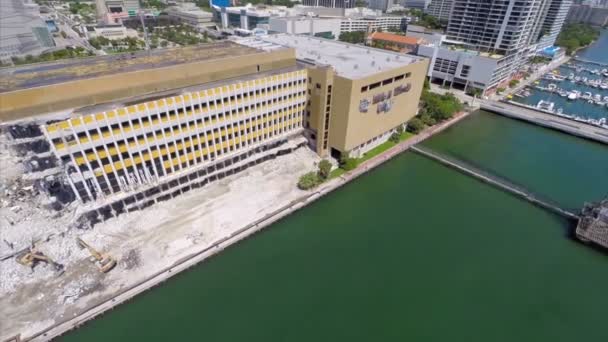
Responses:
[593,224]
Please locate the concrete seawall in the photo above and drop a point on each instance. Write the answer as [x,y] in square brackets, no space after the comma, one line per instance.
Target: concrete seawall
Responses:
[191,260]
[552,121]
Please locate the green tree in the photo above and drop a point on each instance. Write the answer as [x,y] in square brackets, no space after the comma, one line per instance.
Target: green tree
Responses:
[415,125]
[427,119]
[513,83]
[574,36]
[308,181]
[324,168]
[356,37]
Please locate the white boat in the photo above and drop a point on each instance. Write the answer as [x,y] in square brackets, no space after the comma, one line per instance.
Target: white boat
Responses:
[597,97]
[572,96]
[587,95]
[545,105]
[552,86]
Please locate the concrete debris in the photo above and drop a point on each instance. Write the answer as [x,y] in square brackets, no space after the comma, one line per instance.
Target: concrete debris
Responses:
[142,242]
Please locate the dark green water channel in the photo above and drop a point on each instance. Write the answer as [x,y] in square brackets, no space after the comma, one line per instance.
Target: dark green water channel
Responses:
[412,252]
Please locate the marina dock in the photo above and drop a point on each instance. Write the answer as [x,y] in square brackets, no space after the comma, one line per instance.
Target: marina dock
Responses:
[496,181]
[553,121]
[582,60]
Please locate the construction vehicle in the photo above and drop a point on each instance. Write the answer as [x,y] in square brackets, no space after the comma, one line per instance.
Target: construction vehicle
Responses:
[31,257]
[104,262]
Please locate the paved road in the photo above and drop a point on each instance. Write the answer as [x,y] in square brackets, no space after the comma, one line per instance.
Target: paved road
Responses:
[65,24]
[548,120]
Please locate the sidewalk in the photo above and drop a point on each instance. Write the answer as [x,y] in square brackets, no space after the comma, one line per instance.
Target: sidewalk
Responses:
[534,76]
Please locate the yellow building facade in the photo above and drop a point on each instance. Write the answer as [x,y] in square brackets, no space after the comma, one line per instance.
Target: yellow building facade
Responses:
[357,95]
[119,150]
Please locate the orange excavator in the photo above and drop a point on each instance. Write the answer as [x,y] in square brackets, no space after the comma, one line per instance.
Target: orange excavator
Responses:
[104,262]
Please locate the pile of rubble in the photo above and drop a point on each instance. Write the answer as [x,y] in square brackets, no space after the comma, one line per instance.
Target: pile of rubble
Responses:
[25,219]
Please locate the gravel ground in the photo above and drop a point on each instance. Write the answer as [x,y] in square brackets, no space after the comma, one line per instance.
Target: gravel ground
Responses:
[142,242]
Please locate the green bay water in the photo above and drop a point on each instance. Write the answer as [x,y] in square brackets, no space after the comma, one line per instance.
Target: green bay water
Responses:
[413,251]
[559,167]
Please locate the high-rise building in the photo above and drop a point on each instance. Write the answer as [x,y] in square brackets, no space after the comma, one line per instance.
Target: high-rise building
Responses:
[329,3]
[505,28]
[555,15]
[381,5]
[22,30]
[440,9]
[488,40]
[417,4]
[587,14]
[499,26]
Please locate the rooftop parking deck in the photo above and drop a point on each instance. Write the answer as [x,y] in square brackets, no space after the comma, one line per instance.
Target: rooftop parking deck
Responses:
[45,74]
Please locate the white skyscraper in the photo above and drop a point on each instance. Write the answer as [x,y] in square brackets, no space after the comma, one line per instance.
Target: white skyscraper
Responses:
[440,9]
[554,18]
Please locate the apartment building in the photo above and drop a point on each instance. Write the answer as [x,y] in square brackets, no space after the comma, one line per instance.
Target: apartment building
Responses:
[127,130]
[381,5]
[190,14]
[357,95]
[329,3]
[498,35]
[365,23]
[440,9]
[588,14]
[555,15]
[316,26]
[417,4]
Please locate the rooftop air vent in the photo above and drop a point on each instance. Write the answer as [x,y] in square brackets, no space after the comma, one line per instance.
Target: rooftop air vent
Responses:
[356,66]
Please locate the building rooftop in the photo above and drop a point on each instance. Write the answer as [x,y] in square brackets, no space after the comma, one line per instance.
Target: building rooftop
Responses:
[396,38]
[348,60]
[45,74]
